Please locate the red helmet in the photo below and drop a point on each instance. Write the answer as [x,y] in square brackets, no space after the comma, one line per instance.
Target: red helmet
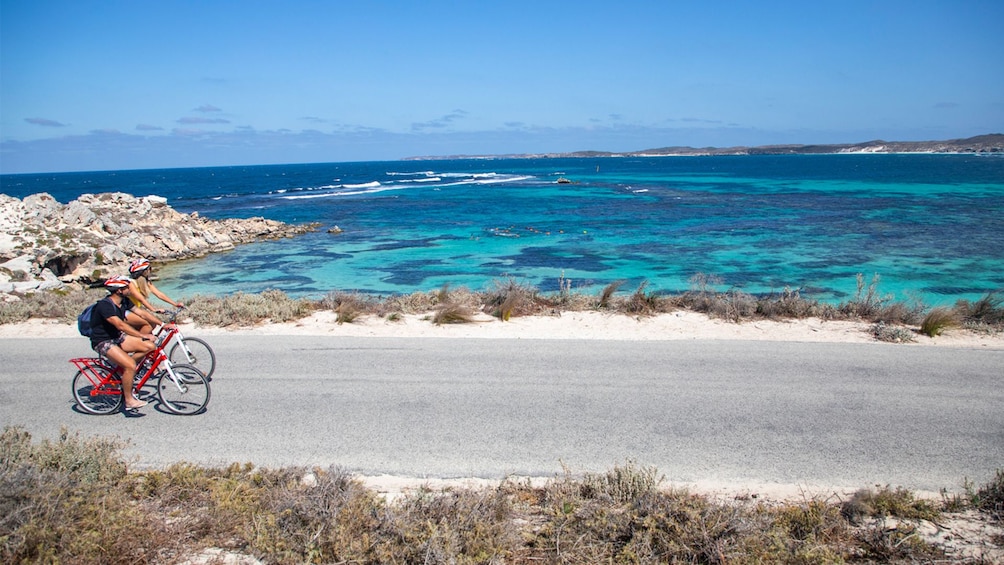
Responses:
[117,283]
[138,266]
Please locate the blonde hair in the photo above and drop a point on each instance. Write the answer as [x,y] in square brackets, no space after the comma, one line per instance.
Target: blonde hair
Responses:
[143,286]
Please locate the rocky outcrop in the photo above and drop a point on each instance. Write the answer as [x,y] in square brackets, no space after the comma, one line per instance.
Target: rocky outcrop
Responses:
[46,244]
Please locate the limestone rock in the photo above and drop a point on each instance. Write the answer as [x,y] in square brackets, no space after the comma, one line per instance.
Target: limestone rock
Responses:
[44,244]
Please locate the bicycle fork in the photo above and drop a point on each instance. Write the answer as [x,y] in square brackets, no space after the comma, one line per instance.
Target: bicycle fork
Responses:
[180,341]
[166,363]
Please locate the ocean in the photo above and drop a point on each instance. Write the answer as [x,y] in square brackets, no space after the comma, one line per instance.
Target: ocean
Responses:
[930,226]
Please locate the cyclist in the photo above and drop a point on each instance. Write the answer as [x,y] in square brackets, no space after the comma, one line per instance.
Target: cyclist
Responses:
[142,287]
[114,338]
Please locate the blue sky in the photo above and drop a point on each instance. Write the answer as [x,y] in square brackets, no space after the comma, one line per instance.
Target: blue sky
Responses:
[98,85]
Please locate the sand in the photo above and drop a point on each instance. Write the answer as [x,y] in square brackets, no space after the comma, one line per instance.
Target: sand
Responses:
[680,325]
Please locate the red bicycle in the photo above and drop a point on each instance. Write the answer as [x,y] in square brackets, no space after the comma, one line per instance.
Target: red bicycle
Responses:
[182,389]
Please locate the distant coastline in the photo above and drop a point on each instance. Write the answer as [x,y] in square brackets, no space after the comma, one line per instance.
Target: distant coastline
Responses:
[982,144]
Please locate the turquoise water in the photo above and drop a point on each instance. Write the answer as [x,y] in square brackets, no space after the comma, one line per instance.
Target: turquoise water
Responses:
[931,226]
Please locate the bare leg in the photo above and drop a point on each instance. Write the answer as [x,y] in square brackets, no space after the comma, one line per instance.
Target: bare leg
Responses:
[122,359]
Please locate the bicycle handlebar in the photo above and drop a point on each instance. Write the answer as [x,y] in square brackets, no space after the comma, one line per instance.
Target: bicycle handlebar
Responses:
[172,315]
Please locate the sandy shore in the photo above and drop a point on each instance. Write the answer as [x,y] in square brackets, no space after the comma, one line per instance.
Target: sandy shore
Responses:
[569,325]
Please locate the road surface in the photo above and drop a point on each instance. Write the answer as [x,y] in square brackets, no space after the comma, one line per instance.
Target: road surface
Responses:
[720,411]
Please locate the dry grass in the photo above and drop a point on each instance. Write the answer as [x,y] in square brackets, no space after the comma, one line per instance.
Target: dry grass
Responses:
[938,320]
[74,500]
[453,313]
[510,298]
[894,321]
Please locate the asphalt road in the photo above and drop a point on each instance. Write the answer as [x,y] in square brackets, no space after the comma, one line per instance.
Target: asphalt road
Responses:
[789,413]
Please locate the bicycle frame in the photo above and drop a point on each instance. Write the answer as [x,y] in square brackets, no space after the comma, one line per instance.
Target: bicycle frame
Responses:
[175,335]
[112,383]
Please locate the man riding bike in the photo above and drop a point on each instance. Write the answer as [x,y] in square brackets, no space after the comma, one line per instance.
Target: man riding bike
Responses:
[114,338]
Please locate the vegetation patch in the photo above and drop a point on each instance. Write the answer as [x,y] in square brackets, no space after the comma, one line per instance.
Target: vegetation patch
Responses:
[74,500]
[895,322]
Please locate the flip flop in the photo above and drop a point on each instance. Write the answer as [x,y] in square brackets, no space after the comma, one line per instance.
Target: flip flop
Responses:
[127,407]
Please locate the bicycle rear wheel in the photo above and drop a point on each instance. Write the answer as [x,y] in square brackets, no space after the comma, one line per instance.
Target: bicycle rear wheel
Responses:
[93,397]
[200,355]
[189,395]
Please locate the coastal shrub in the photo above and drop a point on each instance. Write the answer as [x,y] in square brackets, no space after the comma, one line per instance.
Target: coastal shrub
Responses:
[733,305]
[510,298]
[320,516]
[414,303]
[623,483]
[990,497]
[891,334]
[898,313]
[349,306]
[242,309]
[867,301]
[878,543]
[61,501]
[64,306]
[642,303]
[938,320]
[605,296]
[452,313]
[73,500]
[789,304]
[455,525]
[987,312]
[15,311]
[886,501]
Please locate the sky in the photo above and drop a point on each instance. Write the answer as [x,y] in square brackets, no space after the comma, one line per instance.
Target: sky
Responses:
[111,84]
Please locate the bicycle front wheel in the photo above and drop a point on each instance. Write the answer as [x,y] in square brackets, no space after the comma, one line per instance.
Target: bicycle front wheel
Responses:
[196,352]
[188,395]
[93,397]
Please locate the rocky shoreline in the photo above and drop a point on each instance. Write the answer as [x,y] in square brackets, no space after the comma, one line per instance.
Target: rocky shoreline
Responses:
[45,244]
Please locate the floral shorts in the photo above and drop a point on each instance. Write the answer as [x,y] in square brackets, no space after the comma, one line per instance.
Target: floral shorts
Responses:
[103,346]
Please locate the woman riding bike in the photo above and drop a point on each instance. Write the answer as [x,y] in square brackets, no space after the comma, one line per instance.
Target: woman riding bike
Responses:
[143,287]
[140,289]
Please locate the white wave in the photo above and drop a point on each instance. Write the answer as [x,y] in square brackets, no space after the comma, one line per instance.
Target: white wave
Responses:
[373,184]
[417,173]
[498,180]
[371,190]
[429,179]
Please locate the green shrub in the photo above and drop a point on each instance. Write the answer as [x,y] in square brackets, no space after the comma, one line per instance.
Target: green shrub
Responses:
[247,309]
[59,305]
[867,302]
[898,503]
[937,321]
[987,312]
[990,497]
[622,483]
